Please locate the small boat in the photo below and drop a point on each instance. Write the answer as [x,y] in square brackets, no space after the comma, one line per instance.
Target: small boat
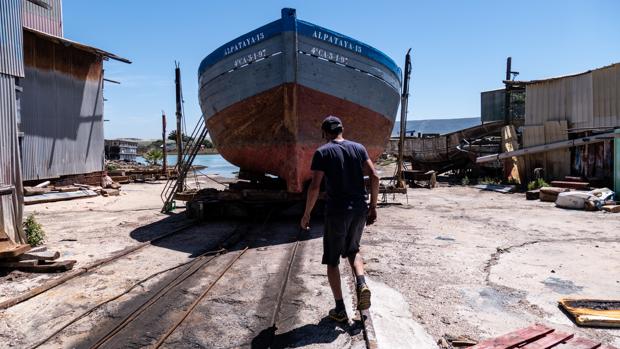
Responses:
[265,94]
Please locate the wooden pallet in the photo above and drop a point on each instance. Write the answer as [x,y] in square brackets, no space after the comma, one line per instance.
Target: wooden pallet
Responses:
[539,337]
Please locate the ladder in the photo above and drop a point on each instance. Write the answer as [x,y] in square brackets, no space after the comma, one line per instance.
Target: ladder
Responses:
[182,167]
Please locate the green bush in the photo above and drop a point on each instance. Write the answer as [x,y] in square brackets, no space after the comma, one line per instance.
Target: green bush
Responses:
[34,231]
[465,180]
[490,180]
[539,183]
[111,166]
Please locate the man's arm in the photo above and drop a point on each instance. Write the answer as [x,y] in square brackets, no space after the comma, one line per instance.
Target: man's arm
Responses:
[369,170]
[312,196]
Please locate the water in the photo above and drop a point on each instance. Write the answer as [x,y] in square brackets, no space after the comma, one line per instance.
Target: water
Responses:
[215,163]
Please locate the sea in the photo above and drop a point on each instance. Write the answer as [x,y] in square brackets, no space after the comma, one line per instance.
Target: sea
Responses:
[215,163]
[440,126]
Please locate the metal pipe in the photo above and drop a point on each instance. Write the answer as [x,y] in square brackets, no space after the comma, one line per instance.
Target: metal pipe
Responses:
[548,147]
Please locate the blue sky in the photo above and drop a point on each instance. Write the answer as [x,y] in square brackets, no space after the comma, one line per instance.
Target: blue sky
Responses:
[459,47]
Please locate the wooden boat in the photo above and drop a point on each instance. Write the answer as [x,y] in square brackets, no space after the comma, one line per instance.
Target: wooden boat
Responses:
[265,94]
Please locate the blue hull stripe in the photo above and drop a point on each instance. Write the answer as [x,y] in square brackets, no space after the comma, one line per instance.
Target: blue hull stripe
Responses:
[289,22]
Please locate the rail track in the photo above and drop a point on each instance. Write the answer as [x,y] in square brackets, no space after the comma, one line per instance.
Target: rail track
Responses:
[88,268]
[236,244]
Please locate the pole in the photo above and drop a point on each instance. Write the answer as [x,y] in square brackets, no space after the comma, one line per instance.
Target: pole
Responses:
[507,91]
[179,115]
[404,100]
[163,137]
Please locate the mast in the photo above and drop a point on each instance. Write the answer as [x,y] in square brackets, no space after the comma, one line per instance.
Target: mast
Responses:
[404,100]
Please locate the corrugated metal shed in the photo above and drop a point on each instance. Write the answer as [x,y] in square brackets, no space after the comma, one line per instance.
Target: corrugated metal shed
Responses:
[578,103]
[11,50]
[62,109]
[11,67]
[10,174]
[47,19]
[586,100]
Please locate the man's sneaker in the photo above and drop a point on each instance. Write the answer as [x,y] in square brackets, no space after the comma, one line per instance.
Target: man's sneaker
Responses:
[363,297]
[338,315]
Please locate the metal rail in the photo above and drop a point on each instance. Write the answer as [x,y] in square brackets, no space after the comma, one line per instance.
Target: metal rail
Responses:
[83,270]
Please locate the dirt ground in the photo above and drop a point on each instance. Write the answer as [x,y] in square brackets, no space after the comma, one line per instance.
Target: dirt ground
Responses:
[448,261]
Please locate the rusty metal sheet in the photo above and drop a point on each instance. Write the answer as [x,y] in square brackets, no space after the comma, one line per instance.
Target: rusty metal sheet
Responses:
[593,312]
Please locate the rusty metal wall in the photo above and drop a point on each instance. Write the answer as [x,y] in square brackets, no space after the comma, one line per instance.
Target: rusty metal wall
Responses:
[11,50]
[42,19]
[587,100]
[10,174]
[62,110]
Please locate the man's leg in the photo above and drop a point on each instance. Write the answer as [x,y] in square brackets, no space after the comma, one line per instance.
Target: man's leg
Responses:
[354,237]
[357,264]
[333,276]
[333,244]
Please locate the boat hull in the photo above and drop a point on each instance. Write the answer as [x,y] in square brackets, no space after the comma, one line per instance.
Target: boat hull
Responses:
[265,95]
[278,131]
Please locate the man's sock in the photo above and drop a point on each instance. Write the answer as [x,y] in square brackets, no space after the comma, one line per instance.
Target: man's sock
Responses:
[339,304]
[360,280]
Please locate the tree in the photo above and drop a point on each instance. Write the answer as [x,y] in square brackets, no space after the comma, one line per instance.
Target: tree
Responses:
[173,136]
[153,156]
[207,143]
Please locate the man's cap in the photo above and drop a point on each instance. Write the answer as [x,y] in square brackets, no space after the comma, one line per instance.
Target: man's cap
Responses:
[331,124]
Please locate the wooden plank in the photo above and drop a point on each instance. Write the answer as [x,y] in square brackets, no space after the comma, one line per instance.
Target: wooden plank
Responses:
[557,163]
[51,197]
[549,340]
[571,185]
[515,338]
[513,166]
[14,251]
[611,208]
[40,256]
[578,343]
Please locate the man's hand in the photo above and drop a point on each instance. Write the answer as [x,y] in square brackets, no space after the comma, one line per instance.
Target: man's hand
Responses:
[372,215]
[305,221]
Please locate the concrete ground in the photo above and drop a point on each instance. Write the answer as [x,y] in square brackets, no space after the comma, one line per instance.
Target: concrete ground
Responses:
[452,261]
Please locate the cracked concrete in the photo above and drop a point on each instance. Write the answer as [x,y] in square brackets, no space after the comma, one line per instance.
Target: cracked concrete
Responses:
[481,264]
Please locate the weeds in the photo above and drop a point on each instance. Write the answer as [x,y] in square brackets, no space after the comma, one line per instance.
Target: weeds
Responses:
[539,183]
[34,231]
[465,180]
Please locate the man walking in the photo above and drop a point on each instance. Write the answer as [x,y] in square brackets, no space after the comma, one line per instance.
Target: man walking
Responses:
[343,163]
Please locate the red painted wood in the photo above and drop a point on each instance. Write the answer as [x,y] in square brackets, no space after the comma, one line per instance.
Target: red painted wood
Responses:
[512,339]
[549,340]
[578,343]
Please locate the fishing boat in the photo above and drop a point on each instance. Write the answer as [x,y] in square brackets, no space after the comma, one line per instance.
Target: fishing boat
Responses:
[265,94]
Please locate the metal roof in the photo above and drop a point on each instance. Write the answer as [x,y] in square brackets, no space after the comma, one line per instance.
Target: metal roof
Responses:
[558,77]
[77,45]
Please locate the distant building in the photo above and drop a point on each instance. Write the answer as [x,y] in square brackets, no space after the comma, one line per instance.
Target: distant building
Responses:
[120,149]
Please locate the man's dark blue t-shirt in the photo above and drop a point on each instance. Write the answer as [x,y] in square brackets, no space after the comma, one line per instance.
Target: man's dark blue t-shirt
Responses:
[343,165]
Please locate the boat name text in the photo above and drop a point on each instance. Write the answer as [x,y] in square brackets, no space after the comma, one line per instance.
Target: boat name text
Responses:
[247,42]
[249,58]
[319,52]
[335,40]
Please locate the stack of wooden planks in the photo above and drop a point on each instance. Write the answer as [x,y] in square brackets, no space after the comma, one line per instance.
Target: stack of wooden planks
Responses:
[540,337]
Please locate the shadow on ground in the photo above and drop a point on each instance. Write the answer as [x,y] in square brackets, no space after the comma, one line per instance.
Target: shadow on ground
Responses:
[324,332]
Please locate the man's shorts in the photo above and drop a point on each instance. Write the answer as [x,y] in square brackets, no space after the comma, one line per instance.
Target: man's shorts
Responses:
[343,232]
